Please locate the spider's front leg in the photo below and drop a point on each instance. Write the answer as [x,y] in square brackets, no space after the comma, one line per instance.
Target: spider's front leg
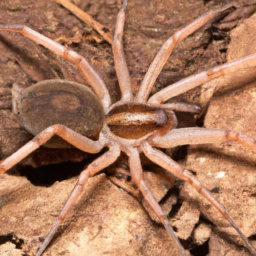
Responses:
[81,63]
[121,68]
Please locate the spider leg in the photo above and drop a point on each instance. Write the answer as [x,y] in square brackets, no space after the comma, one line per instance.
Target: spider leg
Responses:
[85,68]
[190,136]
[124,185]
[118,51]
[137,176]
[168,164]
[76,139]
[179,107]
[201,78]
[102,162]
[166,50]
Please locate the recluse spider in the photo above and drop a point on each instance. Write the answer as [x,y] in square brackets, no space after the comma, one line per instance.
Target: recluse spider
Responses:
[132,125]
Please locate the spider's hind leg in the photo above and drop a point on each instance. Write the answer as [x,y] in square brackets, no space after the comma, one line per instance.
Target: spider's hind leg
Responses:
[83,143]
[96,166]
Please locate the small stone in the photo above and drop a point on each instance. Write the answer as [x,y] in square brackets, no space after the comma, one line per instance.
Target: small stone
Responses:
[201,233]
[186,219]
[159,18]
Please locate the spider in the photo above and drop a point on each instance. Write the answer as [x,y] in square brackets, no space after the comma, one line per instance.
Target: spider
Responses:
[131,125]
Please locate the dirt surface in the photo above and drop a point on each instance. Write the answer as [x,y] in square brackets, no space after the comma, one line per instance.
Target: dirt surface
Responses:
[228,170]
[107,220]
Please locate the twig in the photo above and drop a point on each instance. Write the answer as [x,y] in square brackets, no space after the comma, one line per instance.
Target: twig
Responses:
[87,19]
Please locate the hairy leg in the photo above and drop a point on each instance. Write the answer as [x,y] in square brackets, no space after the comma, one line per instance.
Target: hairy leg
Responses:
[168,164]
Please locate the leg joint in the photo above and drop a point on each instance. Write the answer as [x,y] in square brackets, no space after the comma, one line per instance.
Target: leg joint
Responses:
[231,135]
[72,56]
[46,134]
[215,73]
[57,128]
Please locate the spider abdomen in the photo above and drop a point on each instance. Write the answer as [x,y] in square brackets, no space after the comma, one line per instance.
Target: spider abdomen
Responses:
[134,120]
[60,102]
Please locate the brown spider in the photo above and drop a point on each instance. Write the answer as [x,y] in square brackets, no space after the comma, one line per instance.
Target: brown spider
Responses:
[130,125]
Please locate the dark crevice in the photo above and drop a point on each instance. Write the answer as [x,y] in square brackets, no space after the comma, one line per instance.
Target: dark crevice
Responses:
[253,237]
[253,194]
[49,174]
[175,229]
[14,240]
[201,116]
[185,120]
[106,30]
[219,34]
[224,50]
[206,221]
[201,250]
[193,172]
[185,244]
[180,153]
[215,190]
[173,191]
[175,210]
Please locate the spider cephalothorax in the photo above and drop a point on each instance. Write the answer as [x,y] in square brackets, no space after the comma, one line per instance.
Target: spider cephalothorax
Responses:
[132,125]
[135,120]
